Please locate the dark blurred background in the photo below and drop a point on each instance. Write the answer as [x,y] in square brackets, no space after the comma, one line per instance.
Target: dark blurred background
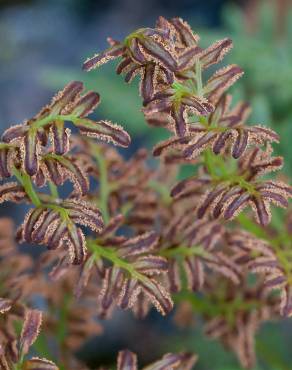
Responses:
[42,46]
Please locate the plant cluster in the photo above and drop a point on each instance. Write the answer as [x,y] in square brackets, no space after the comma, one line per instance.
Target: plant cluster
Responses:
[132,235]
[262,34]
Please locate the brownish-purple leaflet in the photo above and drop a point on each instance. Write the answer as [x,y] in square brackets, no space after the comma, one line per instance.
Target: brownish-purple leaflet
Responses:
[12,192]
[215,53]
[30,329]
[5,305]
[37,363]
[221,81]
[178,361]
[59,169]
[104,130]
[56,226]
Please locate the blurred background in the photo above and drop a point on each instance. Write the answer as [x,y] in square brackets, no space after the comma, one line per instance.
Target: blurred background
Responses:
[42,46]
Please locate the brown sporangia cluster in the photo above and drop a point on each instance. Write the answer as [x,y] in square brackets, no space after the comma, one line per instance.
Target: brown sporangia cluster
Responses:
[238,316]
[16,349]
[228,192]
[38,153]
[18,284]
[128,361]
[263,257]
[132,235]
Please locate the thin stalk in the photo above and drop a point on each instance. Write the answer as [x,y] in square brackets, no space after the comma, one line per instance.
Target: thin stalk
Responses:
[162,190]
[62,324]
[26,182]
[62,117]
[251,226]
[62,329]
[54,190]
[19,365]
[209,163]
[110,255]
[62,212]
[7,146]
[214,163]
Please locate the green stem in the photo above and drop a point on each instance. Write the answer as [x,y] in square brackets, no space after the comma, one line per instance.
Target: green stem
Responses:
[260,232]
[63,212]
[162,190]
[54,190]
[251,226]
[110,255]
[217,169]
[7,146]
[57,117]
[19,364]
[209,163]
[63,320]
[62,117]
[26,182]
